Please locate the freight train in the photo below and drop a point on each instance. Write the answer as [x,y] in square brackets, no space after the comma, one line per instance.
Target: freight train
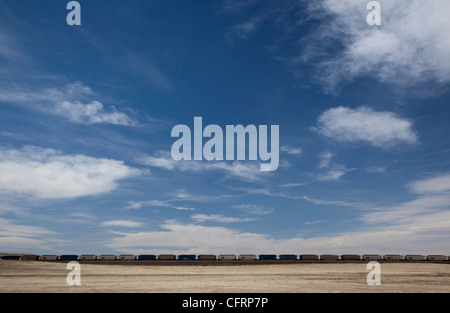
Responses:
[235,258]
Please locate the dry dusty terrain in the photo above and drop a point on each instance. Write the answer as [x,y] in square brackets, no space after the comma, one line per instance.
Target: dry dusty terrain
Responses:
[20,276]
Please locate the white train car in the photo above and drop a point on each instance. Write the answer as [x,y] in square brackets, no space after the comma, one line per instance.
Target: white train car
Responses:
[107,257]
[48,258]
[88,257]
[436,258]
[372,257]
[329,257]
[393,257]
[414,258]
[127,257]
[227,257]
[248,257]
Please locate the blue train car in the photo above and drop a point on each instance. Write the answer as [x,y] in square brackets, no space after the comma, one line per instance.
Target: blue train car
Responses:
[68,258]
[267,257]
[288,257]
[146,257]
[10,257]
[187,257]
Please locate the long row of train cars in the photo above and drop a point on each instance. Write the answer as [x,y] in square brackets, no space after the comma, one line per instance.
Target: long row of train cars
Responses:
[233,257]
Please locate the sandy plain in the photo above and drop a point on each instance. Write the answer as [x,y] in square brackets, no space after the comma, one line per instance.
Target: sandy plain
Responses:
[48,277]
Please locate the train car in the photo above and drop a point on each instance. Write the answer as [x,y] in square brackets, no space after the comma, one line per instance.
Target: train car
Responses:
[68,258]
[372,257]
[87,257]
[287,257]
[146,257]
[126,257]
[207,257]
[166,257]
[414,258]
[267,257]
[350,257]
[227,257]
[29,257]
[329,257]
[48,258]
[436,258]
[247,257]
[189,257]
[393,257]
[107,257]
[309,257]
[11,257]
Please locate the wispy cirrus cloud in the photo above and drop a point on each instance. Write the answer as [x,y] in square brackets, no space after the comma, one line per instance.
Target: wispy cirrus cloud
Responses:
[219,218]
[182,208]
[254,209]
[134,205]
[243,30]
[432,185]
[175,237]
[122,223]
[291,185]
[330,171]
[291,150]
[242,171]
[333,173]
[15,237]
[10,228]
[417,226]
[428,212]
[72,101]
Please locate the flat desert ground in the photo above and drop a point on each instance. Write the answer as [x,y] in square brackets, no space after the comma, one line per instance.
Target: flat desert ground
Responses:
[32,276]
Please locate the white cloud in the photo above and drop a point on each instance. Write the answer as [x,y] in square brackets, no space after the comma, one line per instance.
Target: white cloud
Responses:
[243,30]
[20,244]
[254,209]
[122,223]
[47,173]
[291,150]
[70,101]
[9,228]
[156,203]
[152,203]
[90,113]
[379,129]
[333,172]
[420,226]
[290,185]
[411,45]
[164,160]
[333,203]
[181,208]
[415,210]
[15,237]
[330,171]
[325,159]
[220,218]
[174,237]
[438,184]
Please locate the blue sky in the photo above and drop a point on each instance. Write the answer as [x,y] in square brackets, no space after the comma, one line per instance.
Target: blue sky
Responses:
[86,114]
